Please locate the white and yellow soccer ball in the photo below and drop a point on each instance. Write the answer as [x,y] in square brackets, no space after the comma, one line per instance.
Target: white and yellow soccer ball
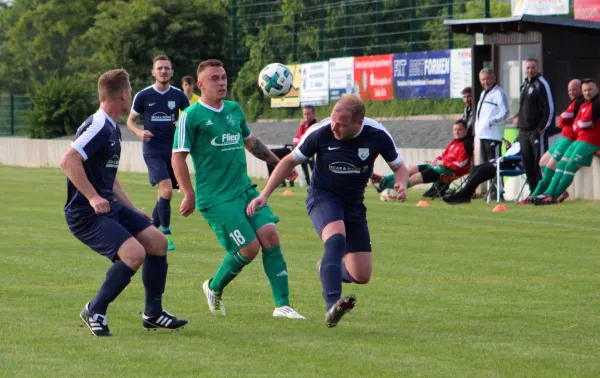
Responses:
[388,195]
[275,80]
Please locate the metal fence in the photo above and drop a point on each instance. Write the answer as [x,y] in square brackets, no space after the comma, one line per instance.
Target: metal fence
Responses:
[14,110]
[315,30]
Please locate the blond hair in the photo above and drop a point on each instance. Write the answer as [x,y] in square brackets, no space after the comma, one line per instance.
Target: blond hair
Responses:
[112,83]
[352,105]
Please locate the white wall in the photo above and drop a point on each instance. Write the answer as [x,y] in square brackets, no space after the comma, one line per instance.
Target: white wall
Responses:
[37,153]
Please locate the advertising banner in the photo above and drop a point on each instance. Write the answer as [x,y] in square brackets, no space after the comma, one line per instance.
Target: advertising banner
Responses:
[588,10]
[540,7]
[341,77]
[373,77]
[423,74]
[315,84]
[292,99]
[460,71]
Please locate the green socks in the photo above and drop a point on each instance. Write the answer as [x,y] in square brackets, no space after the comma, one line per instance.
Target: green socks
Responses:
[388,182]
[546,180]
[566,180]
[276,271]
[230,267]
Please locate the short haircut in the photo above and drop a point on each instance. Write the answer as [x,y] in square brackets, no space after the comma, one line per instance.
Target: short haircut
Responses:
[467,90]
[588,80]
[208,63]
[352,105]
[532,60]
[187,79]
[461,122]
[112,83]
[160,57]
[311,107]
[487,71]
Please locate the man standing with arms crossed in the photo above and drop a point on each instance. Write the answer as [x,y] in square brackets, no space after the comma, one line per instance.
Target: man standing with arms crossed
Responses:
[214,132]
[159,106]
[536,115]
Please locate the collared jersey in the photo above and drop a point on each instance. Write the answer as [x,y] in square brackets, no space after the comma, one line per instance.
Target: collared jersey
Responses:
[343,167]
[214,139]
[98,140]
[160,111]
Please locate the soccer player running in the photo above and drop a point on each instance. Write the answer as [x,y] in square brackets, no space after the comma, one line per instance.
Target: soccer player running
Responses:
[159,106]
[346,145]
[101,216]
[581,152]
[551,158]
[214,132]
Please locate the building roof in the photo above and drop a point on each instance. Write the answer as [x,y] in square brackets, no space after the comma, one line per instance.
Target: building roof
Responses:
[519,23]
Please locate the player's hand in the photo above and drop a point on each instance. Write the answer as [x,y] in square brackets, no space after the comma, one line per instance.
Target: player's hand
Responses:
[188,205]
[401,190]
[146,135]
[293,175]
[143,213]
[255,205]
[100,205]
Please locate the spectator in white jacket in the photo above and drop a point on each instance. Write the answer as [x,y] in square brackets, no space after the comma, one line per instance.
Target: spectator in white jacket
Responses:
[492,110]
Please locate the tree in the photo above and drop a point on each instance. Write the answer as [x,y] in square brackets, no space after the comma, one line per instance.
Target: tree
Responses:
[129,34]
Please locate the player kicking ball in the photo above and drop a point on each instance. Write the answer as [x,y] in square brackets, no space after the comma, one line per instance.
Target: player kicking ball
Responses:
[346,146]
[214,132]
[101,216]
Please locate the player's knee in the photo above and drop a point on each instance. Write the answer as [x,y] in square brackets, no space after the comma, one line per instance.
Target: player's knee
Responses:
[132,253]
[270,239]
[362,278]
[166,193]
[158,245]
[250,250]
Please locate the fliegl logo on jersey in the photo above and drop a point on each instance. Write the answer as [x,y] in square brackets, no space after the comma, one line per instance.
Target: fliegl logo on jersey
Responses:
[226,140]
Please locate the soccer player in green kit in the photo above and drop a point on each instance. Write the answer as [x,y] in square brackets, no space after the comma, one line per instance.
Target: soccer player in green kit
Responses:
[214,132]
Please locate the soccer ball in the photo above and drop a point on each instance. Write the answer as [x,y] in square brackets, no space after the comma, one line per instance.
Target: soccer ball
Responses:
[388,195]
[275,80]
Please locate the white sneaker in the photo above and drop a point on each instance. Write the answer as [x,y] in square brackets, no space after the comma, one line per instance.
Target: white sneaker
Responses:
[215,302]
[286,312]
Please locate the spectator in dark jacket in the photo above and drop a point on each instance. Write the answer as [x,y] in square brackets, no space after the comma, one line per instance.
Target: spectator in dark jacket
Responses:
[536,116]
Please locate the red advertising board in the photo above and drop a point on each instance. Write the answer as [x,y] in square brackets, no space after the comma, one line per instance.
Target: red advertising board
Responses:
[588,10]
[374,77]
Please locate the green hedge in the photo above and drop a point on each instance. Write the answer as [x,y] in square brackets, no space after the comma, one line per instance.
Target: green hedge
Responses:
[378,109]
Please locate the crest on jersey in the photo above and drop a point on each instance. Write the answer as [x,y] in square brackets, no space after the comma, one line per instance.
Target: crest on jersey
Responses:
[230,120]
[363,153]
[171,105]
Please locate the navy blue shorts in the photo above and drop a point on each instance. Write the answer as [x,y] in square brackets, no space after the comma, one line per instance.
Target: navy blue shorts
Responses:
[159,169]
[324,208]
[106,233]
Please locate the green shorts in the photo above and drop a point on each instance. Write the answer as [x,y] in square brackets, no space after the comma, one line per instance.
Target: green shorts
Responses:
[558,149]
[581,153]
[440,169]
[233,227]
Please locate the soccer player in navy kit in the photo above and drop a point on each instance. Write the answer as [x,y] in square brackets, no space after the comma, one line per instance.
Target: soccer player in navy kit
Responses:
[100,215]
[159,106]
[346,145]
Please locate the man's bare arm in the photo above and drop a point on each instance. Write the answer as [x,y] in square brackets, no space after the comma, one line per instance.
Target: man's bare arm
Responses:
[257,148]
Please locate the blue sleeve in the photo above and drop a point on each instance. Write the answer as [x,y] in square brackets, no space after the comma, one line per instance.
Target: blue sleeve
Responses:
[138,104]
[388,151]
[308,146]
[91,140]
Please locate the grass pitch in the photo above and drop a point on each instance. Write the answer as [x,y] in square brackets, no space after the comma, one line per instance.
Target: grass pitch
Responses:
[456,291]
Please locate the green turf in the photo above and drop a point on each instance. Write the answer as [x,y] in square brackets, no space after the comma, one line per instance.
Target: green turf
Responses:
[456,291]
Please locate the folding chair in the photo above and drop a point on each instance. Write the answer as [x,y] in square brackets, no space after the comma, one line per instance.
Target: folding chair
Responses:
[452,180]
[501,173]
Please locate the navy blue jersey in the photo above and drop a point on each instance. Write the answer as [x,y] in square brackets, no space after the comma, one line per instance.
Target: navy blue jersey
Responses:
[98,140]
[160,111]
[343,167]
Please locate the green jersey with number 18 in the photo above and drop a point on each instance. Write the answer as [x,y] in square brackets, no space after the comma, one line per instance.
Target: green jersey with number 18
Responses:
[214,139]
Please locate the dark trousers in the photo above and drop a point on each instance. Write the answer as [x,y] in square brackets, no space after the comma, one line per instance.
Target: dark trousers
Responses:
[531,149]
[480,174]
[307,168]
[490,149]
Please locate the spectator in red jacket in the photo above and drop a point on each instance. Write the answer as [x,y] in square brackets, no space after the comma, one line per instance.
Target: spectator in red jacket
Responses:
[454,162]
[309,118]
